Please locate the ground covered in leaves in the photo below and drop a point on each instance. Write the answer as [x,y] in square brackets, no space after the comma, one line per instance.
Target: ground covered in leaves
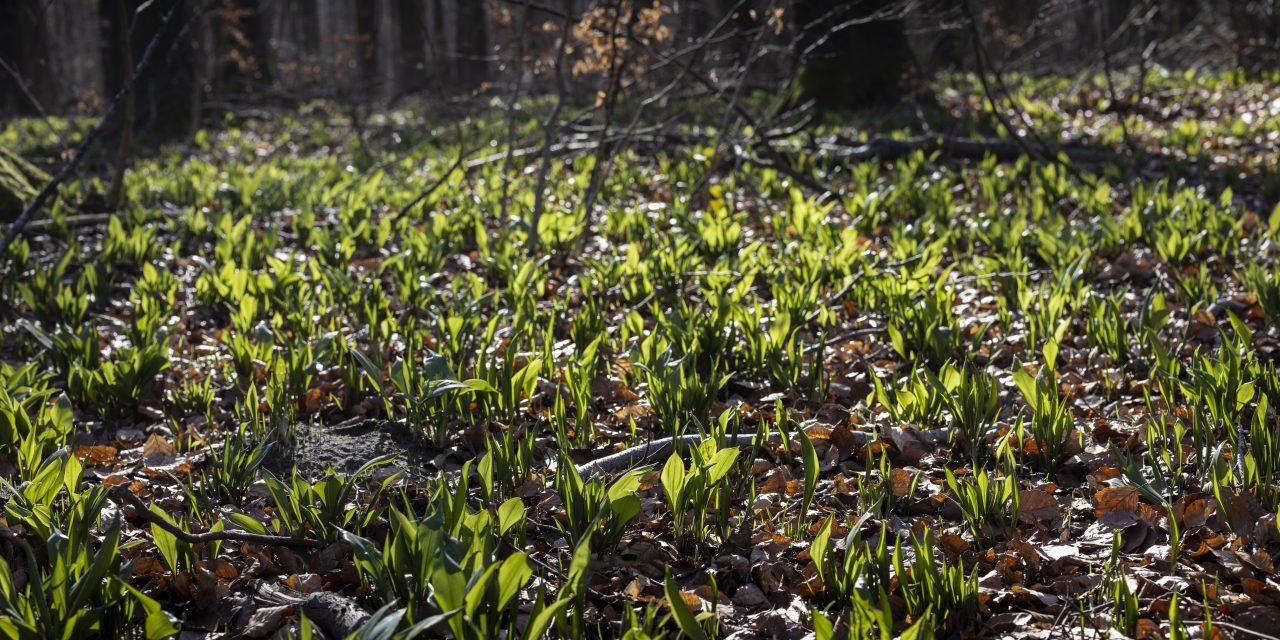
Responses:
[317,372]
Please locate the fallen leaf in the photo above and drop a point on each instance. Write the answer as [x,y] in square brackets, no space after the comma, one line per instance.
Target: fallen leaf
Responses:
[265,621]
[1111,499]
[1037,506]
[96,455]
[156,447]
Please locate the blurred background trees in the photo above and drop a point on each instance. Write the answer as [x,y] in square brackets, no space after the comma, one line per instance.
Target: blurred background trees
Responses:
[64,56]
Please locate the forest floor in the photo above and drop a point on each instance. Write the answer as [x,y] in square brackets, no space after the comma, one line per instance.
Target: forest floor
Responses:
[317,379]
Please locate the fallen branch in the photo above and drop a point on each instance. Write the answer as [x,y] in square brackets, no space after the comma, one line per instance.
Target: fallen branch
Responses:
[656,449]
[122,495]
[952,146]
[67,169]
[338,615]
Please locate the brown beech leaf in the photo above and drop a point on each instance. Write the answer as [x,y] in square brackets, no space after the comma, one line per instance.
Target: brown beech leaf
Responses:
[96,455]
[314,400]
[779,481]
[1193,510]
[1037,506]
[1110,499]
[304,582]
[157,447]
[900,481]
[265,621]
[1148,629]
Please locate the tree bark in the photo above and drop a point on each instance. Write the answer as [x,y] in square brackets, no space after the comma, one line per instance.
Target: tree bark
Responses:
[413,61]
[167,98]
[366,47]
[853,54]
[24,47]
[473,44]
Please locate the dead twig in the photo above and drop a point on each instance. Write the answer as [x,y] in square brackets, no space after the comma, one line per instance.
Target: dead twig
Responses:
[511,110]
[548,132]
[122,495]
[148,57]
[439,182]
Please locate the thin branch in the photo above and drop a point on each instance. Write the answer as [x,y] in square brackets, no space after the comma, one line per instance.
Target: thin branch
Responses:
[67,169]
[35,102]
[548,132]
[122,495]
[439,182]
[980,58]
[617,67]
[511,111]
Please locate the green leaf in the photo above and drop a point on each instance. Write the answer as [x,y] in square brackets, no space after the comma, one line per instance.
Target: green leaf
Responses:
[818,549]
[540,621]
[157,624]
[578,565]
[1026,384]
[721,464]
[810,470]
[1050,351]
[166,542]
[370,369]
[626,484]
[510,514]
[822,627]
[476,592]
[247,523]
[684,617]
[450,589]
[479,386]
[512,577]
[673,480]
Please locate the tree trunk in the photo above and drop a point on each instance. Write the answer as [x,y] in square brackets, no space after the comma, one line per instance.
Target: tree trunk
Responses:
[24,47]
[473,44]
[167,96]
[367,49]
[853,54]
[413,61]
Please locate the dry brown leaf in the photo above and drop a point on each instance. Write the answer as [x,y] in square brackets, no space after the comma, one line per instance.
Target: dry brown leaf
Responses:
[1193,510]
[691,600]
[157,447]
[96,455]
[900,481]
[1111,499]
[1037,506]
[1148,629]
[265,621]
